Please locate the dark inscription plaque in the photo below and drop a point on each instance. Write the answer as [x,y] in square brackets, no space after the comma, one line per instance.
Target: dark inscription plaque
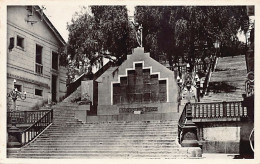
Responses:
[142,109]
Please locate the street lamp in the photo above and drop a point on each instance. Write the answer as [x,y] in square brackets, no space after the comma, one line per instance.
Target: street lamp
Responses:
[15,94]
[197,82]
[216,45]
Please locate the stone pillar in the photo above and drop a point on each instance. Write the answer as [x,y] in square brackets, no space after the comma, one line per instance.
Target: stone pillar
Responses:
[87,90]
[14,137]
[190,138]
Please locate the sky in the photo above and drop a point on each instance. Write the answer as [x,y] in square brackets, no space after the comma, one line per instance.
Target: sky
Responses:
[61,15]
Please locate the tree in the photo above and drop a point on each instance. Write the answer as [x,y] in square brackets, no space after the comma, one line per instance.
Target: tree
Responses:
[103,32]
[174,30]
[158,34]
[117,35]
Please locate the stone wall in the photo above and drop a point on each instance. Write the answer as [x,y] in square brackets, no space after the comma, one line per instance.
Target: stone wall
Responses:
[113,75]
[225,137]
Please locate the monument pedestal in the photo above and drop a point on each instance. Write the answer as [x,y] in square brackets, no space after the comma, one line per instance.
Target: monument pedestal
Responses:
[190,138]
[14,137]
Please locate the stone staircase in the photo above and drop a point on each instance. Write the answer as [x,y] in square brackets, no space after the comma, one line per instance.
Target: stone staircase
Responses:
[227,82]
[69,138]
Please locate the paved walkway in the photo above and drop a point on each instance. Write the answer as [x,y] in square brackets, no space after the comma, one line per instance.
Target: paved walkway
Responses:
[227,83]
[217,156]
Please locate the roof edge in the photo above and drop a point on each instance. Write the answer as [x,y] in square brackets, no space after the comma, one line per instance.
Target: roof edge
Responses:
[51,26]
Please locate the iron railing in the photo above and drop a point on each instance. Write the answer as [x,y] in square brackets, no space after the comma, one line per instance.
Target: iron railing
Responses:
[33,131]
[210,69]
[181,123]
[38,68]
[25,117]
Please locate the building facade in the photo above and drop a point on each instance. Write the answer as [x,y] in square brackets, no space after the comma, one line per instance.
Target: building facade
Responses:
[33,57]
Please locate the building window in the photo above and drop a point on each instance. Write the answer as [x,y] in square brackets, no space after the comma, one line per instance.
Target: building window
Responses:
[38,92]
[55,61]
[19,87]
[20,42]
[38,65]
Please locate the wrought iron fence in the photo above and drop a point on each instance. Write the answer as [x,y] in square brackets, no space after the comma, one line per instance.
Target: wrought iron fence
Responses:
[33,131]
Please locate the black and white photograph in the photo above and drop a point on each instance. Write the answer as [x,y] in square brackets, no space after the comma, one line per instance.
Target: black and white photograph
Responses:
[128,81]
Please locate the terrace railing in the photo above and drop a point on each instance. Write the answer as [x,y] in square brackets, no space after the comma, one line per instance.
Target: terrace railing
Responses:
[211,112]
[218,111]
[38,68]
[25,117]
[33,131]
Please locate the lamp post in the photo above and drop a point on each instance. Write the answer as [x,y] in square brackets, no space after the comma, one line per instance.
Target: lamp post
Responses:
[14,136]
[216,46]
[15,94]
[197,86]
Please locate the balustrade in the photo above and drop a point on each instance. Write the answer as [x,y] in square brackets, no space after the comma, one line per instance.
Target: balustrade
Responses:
[33,131]
[218,110]
[25,117]
[38,68]
[215,111]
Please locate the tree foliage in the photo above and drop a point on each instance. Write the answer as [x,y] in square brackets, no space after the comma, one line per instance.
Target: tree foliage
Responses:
[103,32]
[177,31]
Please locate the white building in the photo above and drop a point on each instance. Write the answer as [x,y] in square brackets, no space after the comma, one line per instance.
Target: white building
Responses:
[33,57]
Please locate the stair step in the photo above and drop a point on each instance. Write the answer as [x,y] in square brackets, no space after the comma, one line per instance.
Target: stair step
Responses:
[104,156]
[84,144]
[68,137]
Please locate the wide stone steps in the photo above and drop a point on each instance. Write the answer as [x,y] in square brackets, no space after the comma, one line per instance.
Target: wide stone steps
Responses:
[69,138]
[128,155]
[128,132]
[126,129]
[111,151]
[107,134]
[105,145]
[227,83]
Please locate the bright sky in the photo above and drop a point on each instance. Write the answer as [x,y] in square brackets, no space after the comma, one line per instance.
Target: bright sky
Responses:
[60,15]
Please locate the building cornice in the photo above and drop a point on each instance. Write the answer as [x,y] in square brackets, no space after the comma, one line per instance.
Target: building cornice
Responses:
[28,80]
[50,25]
[26,70]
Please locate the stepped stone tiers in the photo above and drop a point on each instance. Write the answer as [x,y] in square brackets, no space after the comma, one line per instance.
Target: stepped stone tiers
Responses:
[69,138]
[227,82]
[139,84]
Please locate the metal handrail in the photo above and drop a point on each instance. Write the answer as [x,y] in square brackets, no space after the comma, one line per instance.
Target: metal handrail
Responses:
[181,123]
[34,130]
